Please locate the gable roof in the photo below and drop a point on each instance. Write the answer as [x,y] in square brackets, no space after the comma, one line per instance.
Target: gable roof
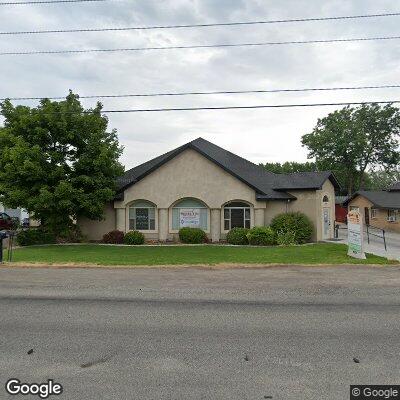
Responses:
[269,186]
[379,198]
[395,187]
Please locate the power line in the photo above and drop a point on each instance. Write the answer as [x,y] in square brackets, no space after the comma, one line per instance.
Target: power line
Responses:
[210,92]
[138,110]
[207,46]
[277,21]
[145,110]
[17,3]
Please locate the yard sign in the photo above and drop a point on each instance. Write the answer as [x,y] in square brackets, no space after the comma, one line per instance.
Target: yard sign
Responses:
[189,217]
[355,234]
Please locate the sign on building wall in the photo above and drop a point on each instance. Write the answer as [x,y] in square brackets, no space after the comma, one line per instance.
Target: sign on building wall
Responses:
[189,217]
[355,234]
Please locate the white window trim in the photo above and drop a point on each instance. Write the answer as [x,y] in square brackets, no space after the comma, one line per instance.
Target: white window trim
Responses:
[177,230]
[393,213]
[374,213]
[230,218]
[155,230]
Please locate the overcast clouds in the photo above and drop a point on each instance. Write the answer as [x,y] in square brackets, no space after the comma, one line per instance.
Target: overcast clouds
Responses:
[259,135]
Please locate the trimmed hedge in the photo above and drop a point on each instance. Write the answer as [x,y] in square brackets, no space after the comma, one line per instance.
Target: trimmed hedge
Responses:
[32,236]
[295,222]
[192,235]
[238,236]
[261,236]
[285,238]
[134,238]
[114,237]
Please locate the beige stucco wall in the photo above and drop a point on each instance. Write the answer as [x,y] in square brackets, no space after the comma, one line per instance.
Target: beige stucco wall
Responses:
[381,217]
[190,175]
[94,230]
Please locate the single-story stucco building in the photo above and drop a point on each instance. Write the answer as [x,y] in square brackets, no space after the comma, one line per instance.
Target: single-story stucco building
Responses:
[202,185]
[379,208]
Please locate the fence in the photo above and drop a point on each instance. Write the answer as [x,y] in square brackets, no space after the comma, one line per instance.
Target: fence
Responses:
[370,230]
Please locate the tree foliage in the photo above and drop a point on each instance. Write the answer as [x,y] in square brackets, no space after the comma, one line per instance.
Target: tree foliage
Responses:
[290,167]
[57,160]
[353,140]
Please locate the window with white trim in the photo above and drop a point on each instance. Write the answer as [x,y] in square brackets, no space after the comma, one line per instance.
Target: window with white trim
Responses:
[354,208]
[374,212]
[236,215]
[142,216]
[191,213]
[392,215]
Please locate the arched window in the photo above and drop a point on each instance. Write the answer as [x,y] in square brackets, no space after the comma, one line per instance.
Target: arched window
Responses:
[189,213]
[325,199]
[142,216]
[236,215]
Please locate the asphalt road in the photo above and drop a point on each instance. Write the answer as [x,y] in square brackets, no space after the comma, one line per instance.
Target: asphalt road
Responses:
[287,333]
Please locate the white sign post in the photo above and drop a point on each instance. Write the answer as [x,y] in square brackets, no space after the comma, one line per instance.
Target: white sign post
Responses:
[355,235]
[189,217]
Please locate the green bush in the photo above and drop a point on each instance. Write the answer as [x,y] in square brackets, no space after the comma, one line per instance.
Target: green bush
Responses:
[192,235]
[295,222]
[237,236]
[285,238]
[261,236]
[114,237]
[34,236]
[72,234]
[134,237]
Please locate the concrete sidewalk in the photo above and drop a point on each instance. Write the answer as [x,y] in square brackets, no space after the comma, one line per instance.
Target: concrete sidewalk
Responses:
[376,245]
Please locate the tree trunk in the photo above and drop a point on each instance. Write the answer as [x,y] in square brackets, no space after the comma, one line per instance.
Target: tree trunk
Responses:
[350,184]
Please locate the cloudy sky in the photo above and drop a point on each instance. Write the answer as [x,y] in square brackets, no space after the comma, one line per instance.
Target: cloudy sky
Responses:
[260,135]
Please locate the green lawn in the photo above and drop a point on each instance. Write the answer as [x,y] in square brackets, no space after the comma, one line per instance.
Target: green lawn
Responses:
[325,253]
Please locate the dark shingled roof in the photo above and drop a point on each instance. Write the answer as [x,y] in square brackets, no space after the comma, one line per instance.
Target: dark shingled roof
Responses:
[379,198]
[395,187]
[269,186]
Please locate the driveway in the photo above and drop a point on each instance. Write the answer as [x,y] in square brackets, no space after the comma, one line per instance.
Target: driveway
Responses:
[280,332]
[376,245]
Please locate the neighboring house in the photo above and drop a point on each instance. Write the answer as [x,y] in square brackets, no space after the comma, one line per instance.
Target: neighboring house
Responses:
[341,209]
[14,212]
[202,185]
[380,208]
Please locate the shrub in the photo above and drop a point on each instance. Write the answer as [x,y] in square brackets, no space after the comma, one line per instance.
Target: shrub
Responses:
[285,238]
[237,236]
[261,236]
[114,237]
[192,235]
[295,222]
[34,236]
[72,234]
[134,237]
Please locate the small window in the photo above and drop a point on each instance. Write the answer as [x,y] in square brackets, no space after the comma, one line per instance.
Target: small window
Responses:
[142,216]
[354,208]
[392,215]
[374,212]
[325,199]
[236,215]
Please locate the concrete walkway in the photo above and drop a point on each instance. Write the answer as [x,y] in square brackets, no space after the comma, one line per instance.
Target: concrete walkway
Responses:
[375,245]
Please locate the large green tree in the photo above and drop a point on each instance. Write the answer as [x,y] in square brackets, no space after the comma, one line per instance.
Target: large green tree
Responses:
[353,140]
[290,167]
[58,160]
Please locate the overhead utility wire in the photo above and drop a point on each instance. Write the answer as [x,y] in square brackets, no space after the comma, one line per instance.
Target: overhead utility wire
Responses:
[277,21]
[209,92]
[143,110]
[18,3]
[207,46]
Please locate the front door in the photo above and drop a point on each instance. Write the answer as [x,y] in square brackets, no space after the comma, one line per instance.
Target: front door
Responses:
[366,214]
[326,223]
